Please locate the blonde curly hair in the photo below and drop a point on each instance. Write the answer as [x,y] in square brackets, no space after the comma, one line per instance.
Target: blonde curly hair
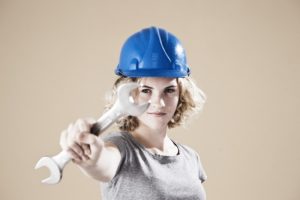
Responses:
[191,101]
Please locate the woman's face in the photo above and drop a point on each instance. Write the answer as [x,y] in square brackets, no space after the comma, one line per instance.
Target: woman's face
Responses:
[163,95]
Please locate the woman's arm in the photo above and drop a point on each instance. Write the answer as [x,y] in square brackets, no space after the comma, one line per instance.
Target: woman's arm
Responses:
[105,169]
[95,158]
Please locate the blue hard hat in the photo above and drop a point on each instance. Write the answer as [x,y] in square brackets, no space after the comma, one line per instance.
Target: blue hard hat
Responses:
[152,52]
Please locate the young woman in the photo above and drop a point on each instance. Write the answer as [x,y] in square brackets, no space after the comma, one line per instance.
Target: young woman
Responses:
[141,161]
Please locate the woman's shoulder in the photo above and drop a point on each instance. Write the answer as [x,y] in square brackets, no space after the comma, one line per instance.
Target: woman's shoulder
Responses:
[187,150]
[121,139]
[193,155]
[118,135]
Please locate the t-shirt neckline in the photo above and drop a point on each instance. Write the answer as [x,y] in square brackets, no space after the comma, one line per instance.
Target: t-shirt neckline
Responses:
[154,155]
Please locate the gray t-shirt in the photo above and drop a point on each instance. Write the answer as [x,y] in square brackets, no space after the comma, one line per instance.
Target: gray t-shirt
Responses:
[143,175]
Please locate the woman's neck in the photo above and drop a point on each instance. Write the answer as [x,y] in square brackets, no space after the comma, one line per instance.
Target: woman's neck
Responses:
[156,140]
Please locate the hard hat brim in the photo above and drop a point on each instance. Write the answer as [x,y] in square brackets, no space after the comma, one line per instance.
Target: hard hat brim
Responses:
[153,73]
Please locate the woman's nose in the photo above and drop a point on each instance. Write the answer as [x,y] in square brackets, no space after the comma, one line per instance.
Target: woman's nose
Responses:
[158,101]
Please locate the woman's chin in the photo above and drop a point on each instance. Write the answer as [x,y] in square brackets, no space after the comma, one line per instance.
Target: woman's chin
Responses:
[155,124]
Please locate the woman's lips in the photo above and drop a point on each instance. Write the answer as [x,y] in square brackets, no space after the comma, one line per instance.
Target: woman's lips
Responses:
[158,114]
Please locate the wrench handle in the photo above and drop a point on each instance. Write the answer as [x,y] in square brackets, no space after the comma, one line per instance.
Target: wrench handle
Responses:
[62,159]
[106,120]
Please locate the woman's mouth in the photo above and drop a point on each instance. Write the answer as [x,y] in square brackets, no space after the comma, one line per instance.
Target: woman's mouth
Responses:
[157,114]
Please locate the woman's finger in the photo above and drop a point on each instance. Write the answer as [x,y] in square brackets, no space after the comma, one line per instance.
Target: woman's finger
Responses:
[71,134]
[86,149]
[82,125]
[95,143]
[77,149]
[63,139]
[74,155]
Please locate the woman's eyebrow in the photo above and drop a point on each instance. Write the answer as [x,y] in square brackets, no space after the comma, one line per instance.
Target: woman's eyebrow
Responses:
[149,87]
[171,86]
[146,86]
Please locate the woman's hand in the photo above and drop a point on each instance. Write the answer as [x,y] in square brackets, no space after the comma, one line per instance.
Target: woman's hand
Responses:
[83,147]
[95,158]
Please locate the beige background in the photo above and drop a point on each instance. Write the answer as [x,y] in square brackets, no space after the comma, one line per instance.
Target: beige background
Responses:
[56,63]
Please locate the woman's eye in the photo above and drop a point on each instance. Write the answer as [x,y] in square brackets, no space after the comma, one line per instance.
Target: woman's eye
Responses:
[170,90]
[146,91]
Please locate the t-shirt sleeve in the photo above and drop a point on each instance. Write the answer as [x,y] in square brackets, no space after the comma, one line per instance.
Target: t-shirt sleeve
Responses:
[201,171]
[119,140]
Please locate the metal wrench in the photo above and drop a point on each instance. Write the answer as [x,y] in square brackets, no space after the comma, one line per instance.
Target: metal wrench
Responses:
[122,107]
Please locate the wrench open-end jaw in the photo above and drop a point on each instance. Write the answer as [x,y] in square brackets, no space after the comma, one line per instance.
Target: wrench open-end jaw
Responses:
[122,107]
